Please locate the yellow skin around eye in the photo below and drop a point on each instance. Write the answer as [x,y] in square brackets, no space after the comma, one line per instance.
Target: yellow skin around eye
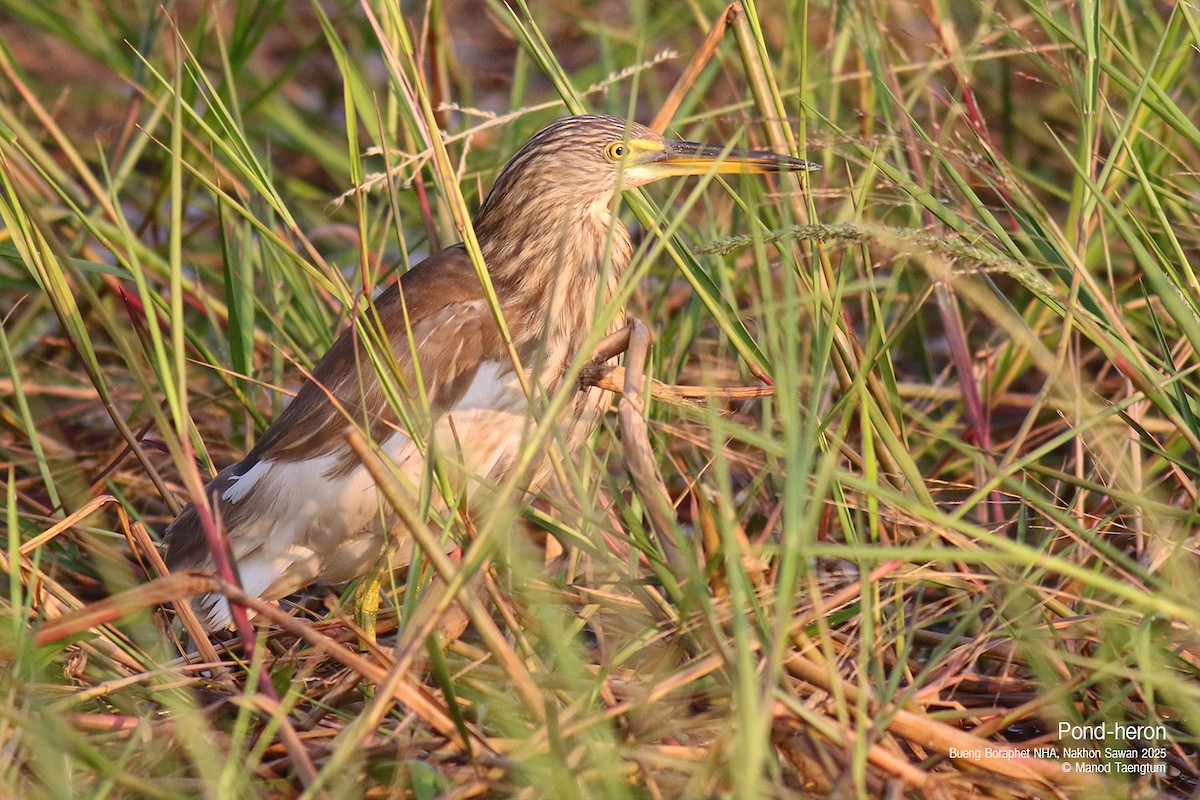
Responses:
[615,151]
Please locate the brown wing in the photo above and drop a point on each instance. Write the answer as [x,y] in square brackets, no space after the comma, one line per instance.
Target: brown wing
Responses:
[452,332]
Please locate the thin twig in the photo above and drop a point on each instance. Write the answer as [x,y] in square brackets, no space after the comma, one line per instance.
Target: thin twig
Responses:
[639,456]
[612,378]
[699,61]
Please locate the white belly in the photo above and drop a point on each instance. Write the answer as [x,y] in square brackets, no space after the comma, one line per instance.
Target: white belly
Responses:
[318,526]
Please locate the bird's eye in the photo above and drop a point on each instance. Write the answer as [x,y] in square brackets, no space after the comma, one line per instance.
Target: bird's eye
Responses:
[616,151]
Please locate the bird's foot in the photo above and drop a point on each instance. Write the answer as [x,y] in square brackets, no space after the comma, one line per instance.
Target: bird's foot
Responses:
[367,600]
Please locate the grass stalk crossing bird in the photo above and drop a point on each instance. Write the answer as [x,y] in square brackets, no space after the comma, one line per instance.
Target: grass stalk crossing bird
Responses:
[300,508]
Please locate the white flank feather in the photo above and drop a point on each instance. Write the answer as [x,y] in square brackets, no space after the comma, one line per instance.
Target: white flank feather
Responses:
[241,484]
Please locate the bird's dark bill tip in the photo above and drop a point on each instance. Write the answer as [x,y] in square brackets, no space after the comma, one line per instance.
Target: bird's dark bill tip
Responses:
[798,164]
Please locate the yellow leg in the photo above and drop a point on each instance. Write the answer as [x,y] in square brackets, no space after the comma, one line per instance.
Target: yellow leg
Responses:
[366,599]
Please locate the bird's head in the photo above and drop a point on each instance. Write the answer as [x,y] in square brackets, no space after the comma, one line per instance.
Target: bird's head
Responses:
[583,160]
